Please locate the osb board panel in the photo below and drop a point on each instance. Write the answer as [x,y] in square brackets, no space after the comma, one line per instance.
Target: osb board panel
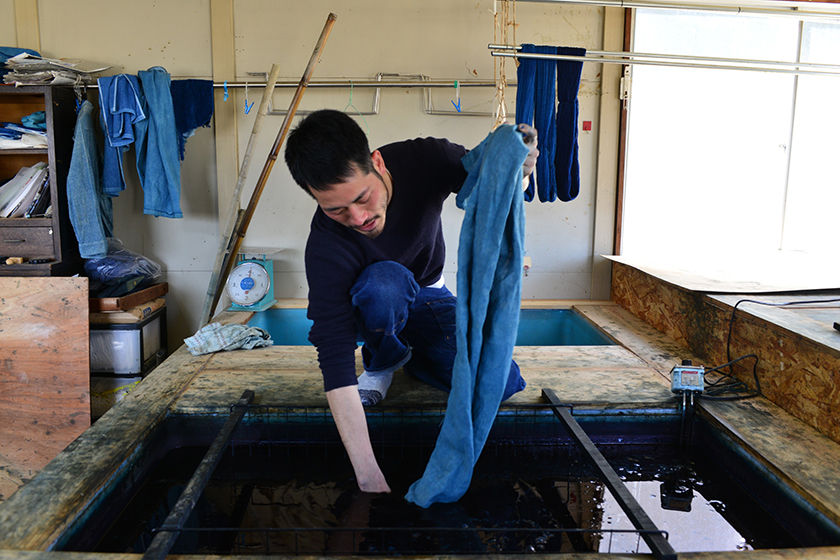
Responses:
[71,481]
[796,374]
[44,371]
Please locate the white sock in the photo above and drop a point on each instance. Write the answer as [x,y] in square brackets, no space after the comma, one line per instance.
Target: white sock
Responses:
[374,386]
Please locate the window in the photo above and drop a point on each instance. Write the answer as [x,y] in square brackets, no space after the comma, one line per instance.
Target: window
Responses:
[724,161]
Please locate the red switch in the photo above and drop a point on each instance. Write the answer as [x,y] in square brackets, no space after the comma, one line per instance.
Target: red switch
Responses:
[587,125]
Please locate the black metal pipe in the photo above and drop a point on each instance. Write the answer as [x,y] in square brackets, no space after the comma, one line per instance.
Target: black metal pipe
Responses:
[168,532]
[654,538]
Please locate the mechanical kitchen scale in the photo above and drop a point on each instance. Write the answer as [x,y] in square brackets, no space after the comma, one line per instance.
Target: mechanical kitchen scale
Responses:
[250,285]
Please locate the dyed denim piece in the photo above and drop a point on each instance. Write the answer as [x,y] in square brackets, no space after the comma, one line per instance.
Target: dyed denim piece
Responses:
[489,284]
[404,325]
[90,210]
[558,171]
[566,158]
[192,104]
[157,147]
[120,107]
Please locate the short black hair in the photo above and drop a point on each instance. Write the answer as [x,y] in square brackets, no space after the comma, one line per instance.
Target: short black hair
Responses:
[326,148]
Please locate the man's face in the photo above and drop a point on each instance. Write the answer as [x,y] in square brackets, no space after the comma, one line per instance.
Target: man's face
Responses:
[361,201]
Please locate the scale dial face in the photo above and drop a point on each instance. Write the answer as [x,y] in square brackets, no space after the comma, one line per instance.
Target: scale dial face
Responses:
[247,284]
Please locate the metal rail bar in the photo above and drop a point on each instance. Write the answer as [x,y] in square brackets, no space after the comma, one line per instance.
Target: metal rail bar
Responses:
[766,9]
[174,522]
[622,59]
[655,539]
[681,57]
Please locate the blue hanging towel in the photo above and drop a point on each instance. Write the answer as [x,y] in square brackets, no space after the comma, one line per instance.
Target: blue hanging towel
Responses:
[487,311]
[558,173]
[120,108]
[157,147]
[192,104]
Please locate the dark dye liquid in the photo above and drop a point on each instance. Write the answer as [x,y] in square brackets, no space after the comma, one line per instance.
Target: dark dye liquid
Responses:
[265,499]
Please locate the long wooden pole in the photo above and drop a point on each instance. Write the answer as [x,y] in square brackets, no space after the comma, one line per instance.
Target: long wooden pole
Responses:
[231,218]
[248,214]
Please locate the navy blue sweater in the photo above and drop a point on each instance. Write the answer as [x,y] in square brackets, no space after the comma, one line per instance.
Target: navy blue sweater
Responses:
[424,172]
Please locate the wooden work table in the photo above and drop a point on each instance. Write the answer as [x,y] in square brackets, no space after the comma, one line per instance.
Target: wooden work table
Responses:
[634,373]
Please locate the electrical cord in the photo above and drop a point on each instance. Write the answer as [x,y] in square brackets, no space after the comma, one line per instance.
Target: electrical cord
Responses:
[718,387]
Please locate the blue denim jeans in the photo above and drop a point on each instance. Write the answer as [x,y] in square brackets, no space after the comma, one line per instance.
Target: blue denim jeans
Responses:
[404,325]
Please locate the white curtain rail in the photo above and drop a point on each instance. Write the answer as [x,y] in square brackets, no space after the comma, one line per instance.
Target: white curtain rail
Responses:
[765,9]
[649,59]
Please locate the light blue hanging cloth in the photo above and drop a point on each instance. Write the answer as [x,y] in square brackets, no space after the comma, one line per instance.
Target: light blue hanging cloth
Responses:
[490,254]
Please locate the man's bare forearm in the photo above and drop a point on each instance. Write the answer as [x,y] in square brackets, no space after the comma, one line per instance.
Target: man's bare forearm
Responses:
[349,416]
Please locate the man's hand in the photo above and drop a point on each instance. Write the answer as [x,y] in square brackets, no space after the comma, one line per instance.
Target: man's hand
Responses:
[531,160]
[349,415]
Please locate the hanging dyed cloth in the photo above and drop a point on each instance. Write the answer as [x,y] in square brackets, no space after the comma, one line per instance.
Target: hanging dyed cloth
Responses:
[566,158]
[490,253]
[558,171]
[157,147]
[192,105]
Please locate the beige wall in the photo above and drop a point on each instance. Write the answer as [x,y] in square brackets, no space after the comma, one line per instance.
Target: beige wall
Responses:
[442,39]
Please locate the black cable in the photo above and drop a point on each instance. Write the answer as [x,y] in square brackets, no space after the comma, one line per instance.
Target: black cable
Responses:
[739,385]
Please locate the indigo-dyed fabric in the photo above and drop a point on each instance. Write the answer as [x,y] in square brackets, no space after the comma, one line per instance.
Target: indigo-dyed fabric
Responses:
[119,100]
[90,210]
[566,158]
[120,107]
[157,147]
[192,105]
[489,289]
[557,171]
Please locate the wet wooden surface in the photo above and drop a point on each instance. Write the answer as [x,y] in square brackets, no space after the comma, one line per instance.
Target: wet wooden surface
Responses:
[634,373]
[44,373]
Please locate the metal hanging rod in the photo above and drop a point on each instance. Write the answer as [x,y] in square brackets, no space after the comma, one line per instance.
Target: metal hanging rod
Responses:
[347,82]
[366,83]
[649,59]
[765,10]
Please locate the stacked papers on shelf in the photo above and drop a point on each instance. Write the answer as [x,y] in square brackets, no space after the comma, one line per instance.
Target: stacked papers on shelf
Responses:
[27,69]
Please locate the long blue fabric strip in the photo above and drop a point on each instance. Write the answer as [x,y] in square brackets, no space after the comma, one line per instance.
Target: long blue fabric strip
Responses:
[489,278]
[566,157]
[558,170]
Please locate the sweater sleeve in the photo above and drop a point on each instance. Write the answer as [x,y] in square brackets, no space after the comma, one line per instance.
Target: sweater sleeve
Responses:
[332,265]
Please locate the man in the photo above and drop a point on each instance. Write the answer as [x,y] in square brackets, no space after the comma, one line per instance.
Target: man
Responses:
[374,263]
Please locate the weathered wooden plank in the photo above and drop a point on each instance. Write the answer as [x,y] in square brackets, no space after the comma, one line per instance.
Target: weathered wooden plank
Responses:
[44,371]
[794,451]
[650,345]
[73,479]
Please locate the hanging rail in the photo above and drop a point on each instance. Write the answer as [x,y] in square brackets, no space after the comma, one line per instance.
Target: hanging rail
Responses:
[651,59]
[763,10]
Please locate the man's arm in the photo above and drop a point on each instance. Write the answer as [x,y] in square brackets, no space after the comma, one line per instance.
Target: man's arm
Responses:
[349,416]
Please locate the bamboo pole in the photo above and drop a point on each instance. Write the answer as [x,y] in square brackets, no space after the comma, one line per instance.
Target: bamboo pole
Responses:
[248,214]
[233,209]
